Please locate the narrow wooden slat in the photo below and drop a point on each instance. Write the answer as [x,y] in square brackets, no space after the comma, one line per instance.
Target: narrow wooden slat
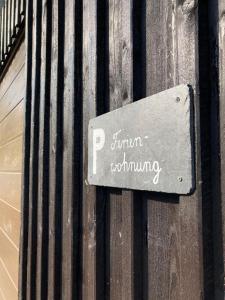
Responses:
[89,111]
[217,34]
[17,19]
[25,203]
[71,196]
[12,20]
[121,203]
[1,16]
[2,33]
[43,186]
[5,31]
[9,3]
[34,153]
[55,168]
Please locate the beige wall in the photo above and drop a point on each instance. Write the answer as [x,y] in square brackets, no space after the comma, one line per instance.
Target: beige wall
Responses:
[12,89]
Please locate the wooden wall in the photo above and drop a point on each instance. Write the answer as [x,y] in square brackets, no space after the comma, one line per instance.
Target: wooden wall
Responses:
[12,91]
[85,58]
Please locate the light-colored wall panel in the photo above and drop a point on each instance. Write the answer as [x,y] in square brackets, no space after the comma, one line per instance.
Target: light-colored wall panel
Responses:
[10,189]
[10,222]
[12,90]
[12,126]
[11,156]
[8,289]
[9,255]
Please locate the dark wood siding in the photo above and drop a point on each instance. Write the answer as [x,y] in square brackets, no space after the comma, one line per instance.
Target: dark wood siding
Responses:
[85,58]
[12,91]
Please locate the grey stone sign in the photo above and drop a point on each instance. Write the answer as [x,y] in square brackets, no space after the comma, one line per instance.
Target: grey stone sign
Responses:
[146,145]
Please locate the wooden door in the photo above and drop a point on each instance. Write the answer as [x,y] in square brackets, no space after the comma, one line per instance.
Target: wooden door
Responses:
[12,89]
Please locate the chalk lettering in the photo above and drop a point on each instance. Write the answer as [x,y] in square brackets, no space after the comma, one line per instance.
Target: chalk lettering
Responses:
[137,167]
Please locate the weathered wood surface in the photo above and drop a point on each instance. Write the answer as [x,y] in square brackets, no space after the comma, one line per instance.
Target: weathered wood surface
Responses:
[217,51]
[86,58]
[174,224]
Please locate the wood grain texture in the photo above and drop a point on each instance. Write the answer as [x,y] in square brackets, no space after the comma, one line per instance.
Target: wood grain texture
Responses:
[71,155]
[43,182]
[121,203]
[89,111]
[174,225]
[217,9]
[84,59]
[55,192]
[33,161]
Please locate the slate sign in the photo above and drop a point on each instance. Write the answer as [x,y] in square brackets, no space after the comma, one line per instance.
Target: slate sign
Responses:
[146,145]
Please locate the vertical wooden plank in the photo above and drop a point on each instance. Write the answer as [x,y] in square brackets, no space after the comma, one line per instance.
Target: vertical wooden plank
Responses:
[34,155]
[26,159]
[9,24]
[3,34]
[174,225]
[5,30]
[17,19]
[52,157]
[0,34]
[121,203]
[56,144]
[72,156]
[43,187]
[14,18]
[89,111]
[217,13]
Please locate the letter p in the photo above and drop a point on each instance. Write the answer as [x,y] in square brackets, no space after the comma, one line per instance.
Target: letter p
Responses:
[98,144]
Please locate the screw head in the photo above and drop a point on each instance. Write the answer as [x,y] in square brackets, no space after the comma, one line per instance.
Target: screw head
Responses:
[180,179]
[178,99]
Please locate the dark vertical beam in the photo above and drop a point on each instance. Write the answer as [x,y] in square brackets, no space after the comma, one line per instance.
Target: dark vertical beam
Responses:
[174,224]
[43,184]
[217,24]
[5,30]
[34,152]
[1,16]
[56,150]
[26,160]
